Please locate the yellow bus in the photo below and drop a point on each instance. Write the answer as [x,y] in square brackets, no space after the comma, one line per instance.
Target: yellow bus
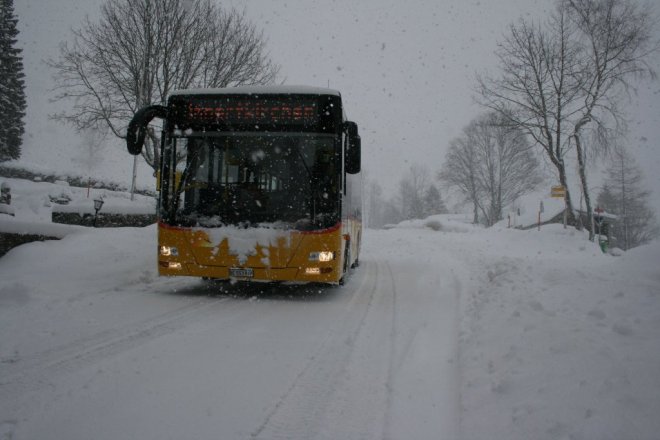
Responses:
[256,184]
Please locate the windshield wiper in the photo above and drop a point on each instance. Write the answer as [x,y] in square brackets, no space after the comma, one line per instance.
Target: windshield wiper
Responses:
[185,176]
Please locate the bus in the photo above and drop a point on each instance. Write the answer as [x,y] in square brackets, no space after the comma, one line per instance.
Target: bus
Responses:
[257,183]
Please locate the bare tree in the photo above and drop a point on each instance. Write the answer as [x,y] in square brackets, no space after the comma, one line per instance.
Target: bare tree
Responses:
[492,164]
[374,204]
[560,77]
[412,189]
[537,91]
[510,167]
[459,171]
[614,42]
[391,212]
[91,144]
[141,50]
[624,196]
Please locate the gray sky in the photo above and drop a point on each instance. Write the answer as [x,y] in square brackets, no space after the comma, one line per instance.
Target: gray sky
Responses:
[405,69]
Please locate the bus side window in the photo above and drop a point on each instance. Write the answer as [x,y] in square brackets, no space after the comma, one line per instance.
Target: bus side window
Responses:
[343,161]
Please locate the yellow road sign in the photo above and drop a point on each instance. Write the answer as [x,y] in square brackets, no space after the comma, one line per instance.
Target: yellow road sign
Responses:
[558,191]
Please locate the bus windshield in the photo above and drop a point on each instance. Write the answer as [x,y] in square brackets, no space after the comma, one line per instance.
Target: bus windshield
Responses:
[252,178]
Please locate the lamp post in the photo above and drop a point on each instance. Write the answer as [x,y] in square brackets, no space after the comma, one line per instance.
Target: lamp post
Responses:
[98,203]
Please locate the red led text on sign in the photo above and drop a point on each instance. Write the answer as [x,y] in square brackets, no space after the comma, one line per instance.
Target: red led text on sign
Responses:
[254,111]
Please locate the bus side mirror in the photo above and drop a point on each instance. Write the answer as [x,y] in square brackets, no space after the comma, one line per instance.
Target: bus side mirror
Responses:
[137,128]
[353,149]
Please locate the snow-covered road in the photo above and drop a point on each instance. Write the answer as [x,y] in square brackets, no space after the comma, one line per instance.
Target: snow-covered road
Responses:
[142,357]
[445,331]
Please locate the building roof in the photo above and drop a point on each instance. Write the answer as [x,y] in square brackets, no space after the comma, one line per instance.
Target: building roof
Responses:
[260,90]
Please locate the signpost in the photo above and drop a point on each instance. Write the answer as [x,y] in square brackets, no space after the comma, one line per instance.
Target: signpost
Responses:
[558,191]
[599,222]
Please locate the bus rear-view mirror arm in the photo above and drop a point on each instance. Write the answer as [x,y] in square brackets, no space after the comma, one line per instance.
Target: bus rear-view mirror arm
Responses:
[137,128]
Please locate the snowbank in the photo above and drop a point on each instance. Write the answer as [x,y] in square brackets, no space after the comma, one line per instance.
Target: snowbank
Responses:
[556,339]
[559,340]
[35,201]
[11,225]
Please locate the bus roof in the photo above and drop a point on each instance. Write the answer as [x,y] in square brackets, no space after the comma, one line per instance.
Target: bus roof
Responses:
[259,90]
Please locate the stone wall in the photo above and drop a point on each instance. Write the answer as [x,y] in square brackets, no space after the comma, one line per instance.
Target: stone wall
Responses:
[9,241]
[104,220]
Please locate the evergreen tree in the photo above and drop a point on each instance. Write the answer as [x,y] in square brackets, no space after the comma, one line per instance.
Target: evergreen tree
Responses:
[624,196]
[12,85]
[433,203]
[606,199]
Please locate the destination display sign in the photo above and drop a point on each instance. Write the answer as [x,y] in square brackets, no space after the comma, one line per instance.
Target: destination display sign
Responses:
[253,111]
[243,112]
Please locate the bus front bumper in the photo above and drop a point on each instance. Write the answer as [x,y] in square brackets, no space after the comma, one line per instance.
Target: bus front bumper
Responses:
[314,274]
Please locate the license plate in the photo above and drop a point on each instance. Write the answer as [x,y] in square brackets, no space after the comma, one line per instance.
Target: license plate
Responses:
[241,273]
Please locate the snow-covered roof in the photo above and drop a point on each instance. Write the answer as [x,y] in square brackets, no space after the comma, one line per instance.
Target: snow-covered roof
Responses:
[261,90]
[604,214]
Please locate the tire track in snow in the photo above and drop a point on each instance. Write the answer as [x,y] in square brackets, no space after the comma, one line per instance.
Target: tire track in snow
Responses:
[38,370]
[338,393]
[423,396]
[392,358]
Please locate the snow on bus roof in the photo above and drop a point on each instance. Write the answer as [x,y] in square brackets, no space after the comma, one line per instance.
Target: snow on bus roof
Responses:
[260,90]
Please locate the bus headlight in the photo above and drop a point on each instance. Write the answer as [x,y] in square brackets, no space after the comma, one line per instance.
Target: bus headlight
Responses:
[169,251]
[322,256]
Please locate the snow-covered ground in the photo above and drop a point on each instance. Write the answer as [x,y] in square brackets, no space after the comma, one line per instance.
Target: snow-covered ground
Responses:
[445,331]
[33,203]
[557,340]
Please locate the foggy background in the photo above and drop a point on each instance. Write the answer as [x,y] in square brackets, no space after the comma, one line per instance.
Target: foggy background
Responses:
[406,73]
